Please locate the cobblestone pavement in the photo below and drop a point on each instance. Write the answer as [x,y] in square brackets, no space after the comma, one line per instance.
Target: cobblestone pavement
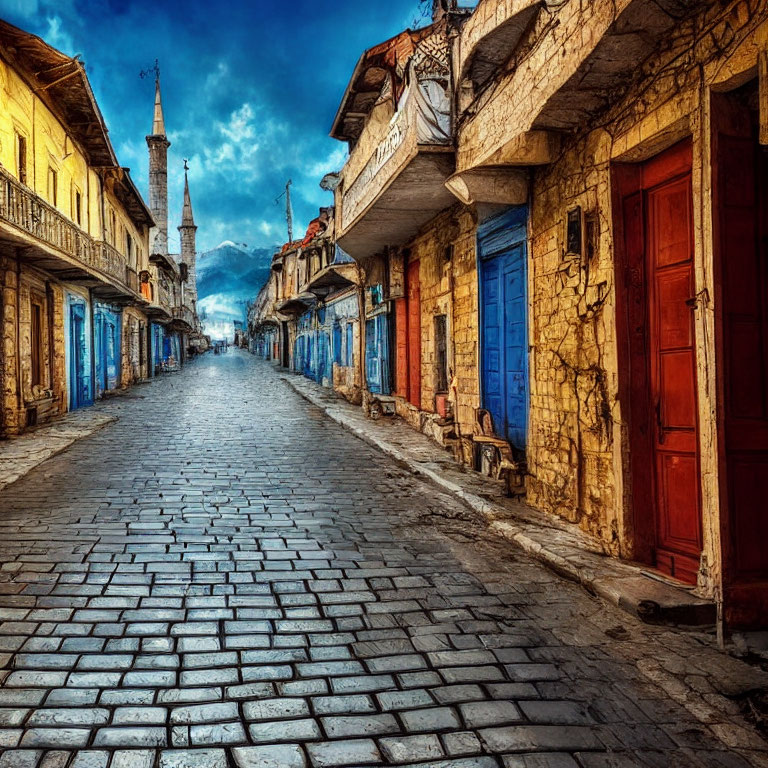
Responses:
[225,577]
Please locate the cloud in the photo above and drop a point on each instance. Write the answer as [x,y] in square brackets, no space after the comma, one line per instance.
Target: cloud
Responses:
[249,94]
[57,36]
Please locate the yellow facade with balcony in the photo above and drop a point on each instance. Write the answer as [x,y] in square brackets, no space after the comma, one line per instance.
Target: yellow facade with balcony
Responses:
[72,224]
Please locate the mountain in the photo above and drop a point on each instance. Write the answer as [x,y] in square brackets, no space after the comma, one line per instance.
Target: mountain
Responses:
[227,277]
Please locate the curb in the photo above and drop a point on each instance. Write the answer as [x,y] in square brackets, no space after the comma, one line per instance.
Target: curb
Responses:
[624,585]
[49,433]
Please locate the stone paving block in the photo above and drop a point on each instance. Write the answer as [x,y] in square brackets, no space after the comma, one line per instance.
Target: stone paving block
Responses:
[333,754]
[348,726]
[130,736]
[399,749]
[565,712]
[10,718]
[84,717]
[528,738]
[481,714]
[461,743]
[90,758]
[22,758]
[464,762]
[139,716]
[277,730]
[217,733]
[56,738]
[275,709]
[133,758]
[204,713]
[53,759]
[334,705]
[270,756]
[193,758]
[394,700]
[434,719]
[553,760]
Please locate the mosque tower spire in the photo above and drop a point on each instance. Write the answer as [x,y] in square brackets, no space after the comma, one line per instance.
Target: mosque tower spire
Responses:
[187,236]
[158,174]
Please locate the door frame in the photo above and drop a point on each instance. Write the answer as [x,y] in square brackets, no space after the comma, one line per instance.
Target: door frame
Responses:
[491,243]
[628,187]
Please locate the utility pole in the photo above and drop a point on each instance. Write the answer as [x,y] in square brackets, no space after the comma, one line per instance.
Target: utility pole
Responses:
[289,210]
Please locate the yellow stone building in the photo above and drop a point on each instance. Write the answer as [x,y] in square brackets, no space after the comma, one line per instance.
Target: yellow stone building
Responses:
[73,241]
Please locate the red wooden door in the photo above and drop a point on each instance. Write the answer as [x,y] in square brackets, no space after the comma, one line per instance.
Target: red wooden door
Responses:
[401,357]
[658,359]
[413,290]
[675,441]
[741,197]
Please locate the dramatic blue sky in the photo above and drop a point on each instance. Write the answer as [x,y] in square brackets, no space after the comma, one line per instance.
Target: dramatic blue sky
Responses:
[250,89]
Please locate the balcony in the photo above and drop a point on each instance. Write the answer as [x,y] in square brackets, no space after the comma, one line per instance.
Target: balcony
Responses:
[537,98]
[400,186]
[296,305]
[160,306]
[184,316]
[330,279]
[57,245]
[491,34]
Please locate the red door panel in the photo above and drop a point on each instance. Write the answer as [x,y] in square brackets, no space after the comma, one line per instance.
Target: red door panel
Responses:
[401,360]
[673,376]
[414,334]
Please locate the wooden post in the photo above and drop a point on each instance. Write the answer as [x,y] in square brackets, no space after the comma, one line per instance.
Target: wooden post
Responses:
[763,72]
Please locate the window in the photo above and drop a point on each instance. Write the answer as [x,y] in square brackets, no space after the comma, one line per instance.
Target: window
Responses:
[21,157]
[129,248]
[441,353]
[36,339]
[78,208]
[53,186]
[112,227]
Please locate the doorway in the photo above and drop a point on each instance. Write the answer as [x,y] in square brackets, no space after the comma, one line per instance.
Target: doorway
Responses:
[660,363]
[79,364]
[503,323]
[413,294]
[740,192]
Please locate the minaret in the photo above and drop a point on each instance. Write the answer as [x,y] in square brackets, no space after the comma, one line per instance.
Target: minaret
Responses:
[187,236]
[158,176]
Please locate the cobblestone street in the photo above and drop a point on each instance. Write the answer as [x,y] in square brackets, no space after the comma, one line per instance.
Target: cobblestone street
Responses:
[253,586]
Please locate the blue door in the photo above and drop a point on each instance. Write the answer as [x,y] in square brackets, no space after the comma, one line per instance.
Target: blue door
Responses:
[323,354]
[377,355]
[79,363]
[157,348]
[504,327]
[309,360]
[337,343]
[106,332]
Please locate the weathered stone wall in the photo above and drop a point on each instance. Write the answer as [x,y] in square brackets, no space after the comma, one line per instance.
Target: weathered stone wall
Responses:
[445,251]
[134,330]
[22,286]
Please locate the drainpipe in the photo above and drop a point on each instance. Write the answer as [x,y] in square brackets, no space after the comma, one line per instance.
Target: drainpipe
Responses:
[361,327]
[18,334]
[51,350]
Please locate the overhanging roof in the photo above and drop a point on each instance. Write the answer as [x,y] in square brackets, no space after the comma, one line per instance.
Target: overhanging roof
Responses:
[368,78]
[61,83]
